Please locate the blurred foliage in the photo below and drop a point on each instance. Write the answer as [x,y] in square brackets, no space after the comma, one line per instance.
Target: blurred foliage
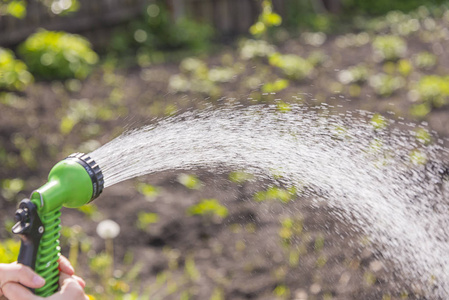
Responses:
[145,219]
[412,75]
[61,7]
[276,86]
[290,229]
[293,66]
[9,250]
[15,8]
[14,75]
[190,181]
[18,8]
[11,187]
[60,55]
[385,85]
[389,47]
[250,49]
[156,30]
[208,207]
[276,193]
[267,19]
[434,90]
[383,6]
[356,74]
[425,60]
[148,190]
[240,177]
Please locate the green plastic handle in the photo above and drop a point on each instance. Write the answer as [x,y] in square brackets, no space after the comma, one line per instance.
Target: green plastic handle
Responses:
[68,185]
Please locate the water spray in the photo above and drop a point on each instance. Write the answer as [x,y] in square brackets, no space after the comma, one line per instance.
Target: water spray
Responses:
[381,182]
[72,182]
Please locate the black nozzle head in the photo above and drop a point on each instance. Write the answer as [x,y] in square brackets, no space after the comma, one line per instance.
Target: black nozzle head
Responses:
[93,169]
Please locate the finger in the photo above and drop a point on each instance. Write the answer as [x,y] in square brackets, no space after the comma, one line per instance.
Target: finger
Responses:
[16,291]
[70,289]
[20,273]
[65,266]
[63,277]
[80,281]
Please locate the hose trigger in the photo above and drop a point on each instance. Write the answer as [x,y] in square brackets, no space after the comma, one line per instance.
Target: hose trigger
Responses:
[30,228]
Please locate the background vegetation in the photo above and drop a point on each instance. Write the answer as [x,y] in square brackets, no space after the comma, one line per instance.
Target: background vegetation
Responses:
[58,96]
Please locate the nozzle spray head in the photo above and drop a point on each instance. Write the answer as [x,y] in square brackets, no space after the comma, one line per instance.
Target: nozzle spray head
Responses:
[72,182]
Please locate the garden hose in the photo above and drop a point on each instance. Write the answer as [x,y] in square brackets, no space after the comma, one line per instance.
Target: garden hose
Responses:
[72,182]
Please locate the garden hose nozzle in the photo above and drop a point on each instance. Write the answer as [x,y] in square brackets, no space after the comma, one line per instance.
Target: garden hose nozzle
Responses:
[72,182]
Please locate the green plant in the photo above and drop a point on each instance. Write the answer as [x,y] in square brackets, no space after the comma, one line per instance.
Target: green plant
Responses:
[145,219]
[195,66]
[434,90]
[240,177]
[60,55]
[385,85]
[290,228]
[148,190]
[61,7]
[276,86]
[276,193]
[157,30]
[425,60]
[209,207]
[9,250]
[389,47]
[189,181]
[317,58]
[222,74]
[356,74]
[282,292]
[404,67]
[383,6]
[18,8]
[15,8]
[267,19]
[14,75]
[78,110]
[250,49]
[293,66]
[11,187]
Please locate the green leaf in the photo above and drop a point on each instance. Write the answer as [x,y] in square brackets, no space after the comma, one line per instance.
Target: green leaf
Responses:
[148,190]
[189,181]
[420,110]
[17,9]
[258,29]
[145,219]
[272,19]
[208,207]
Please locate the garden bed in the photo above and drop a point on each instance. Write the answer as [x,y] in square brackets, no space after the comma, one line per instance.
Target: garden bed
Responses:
[295,250]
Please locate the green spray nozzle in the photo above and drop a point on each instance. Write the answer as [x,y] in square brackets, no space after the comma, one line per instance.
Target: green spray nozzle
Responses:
[72,182]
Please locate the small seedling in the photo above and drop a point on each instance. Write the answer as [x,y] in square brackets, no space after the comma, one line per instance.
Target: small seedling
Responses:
[14,75]
[209,207]
[145,219]
[293,66]
[389,47]
[190,181]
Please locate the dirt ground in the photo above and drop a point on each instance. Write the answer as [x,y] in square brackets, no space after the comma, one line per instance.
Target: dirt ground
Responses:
[242,256]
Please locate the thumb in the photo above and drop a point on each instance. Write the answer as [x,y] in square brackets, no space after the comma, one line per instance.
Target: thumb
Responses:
[15,291]
[22,274]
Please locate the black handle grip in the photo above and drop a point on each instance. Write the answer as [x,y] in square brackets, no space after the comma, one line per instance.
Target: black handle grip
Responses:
[30,229]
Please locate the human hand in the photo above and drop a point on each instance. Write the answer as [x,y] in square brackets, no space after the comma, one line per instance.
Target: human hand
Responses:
[13,278]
